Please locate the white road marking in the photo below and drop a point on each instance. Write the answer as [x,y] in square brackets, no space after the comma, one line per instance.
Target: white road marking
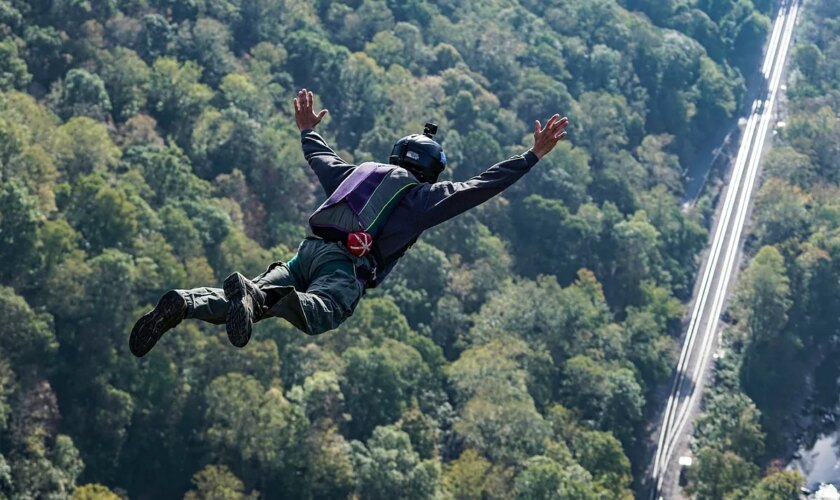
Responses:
[676,415]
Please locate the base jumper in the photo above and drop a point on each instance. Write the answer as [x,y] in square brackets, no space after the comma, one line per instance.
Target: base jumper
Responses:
[373,214]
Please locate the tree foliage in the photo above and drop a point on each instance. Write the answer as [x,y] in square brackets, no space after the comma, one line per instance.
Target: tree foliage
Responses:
[784,300]
[147,145]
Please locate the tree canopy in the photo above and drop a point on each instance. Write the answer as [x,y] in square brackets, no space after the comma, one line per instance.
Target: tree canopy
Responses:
[147,145]
[783,315]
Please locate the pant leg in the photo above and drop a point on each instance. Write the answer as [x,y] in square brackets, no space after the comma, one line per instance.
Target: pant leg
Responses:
[326,272]
[278,278]
[211,305]
[205,303]
[327,302]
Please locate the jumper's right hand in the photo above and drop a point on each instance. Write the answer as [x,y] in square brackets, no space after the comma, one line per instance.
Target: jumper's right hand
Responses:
[305,116]
[546,138]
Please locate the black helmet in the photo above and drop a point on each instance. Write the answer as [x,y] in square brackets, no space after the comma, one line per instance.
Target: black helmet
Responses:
[420,154]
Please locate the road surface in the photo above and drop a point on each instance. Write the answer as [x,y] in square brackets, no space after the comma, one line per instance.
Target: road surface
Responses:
[721,264]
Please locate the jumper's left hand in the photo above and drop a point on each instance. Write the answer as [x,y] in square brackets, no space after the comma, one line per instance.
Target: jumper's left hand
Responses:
[305,116]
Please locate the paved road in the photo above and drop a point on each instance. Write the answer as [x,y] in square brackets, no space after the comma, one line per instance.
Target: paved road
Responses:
[720,266]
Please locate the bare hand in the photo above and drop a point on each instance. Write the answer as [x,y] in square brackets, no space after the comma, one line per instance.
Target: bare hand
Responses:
[546,138]
[305,116]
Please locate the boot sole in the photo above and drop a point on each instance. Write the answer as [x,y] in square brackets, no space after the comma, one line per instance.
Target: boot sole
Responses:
[238,322]
[148,330]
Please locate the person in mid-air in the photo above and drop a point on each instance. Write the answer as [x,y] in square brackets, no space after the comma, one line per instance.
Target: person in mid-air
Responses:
[373,214]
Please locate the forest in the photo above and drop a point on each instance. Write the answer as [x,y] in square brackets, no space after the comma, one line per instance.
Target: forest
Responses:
[785,319]
[514,352]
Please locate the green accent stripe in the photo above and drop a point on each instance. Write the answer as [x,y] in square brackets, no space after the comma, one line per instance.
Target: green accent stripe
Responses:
[387,207]
[384,180]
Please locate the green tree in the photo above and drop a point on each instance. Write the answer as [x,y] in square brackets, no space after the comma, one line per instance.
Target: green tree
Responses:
[31,336]
[103,215]
[156,36]
[473,477]
[238,251]
[749,39]
[321,397]
[389,374]
[417,283]
[606,68]
[781,212]
[657,11]
[718,475]
[239,90]
[564,175]
[653,353]
[503,424]
[359,82]
[540,92]
[82,94]
[637,255]
[790,165]
[784,485]
[126,77]
[386,467]
[543,478]
[387,49]
[208,42]
[222,141]
[48,473]
[45,57]
[93,492]
[716,100]
[13,70]
[313,59]
[663,167]
[810,60]
[217,482]
[329,472]
[535,311]
[176,97]
[168,172]
[247,423]
[609,396]
[817,134]
[83,146]
[361,24]
[731,423]
[423,431]
[601,455]
[763,297]
[19,222]
[506,363]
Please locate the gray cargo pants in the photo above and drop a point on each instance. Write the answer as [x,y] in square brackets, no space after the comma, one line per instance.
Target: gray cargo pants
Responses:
[315,291]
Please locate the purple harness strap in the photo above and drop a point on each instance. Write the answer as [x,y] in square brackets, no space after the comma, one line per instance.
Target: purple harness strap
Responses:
[358,187]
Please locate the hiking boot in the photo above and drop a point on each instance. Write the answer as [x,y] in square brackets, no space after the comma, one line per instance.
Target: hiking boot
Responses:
[169,311]
[246,302]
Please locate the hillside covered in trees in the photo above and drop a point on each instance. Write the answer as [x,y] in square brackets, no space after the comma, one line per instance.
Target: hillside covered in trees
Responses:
[783,343]
[148,144]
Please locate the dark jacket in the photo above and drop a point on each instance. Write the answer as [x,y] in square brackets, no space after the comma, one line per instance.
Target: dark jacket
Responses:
[423,206]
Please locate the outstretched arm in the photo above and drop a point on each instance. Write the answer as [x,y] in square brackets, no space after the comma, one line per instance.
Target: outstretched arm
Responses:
[327,165]
[445,200]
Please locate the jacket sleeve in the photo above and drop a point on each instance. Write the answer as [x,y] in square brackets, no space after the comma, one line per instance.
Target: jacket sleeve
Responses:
[327,165]
[445,200]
